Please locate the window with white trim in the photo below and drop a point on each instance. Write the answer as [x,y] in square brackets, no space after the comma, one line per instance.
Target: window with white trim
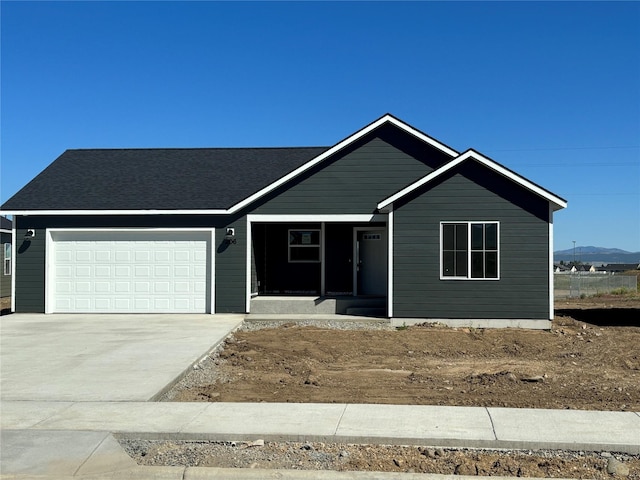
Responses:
[304,246]
[469,250]
[7,259]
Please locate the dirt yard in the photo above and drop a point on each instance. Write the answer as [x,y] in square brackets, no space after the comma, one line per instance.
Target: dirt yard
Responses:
[589,360]
[5,305]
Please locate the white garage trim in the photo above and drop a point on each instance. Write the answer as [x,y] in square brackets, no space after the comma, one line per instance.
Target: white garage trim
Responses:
[146,234]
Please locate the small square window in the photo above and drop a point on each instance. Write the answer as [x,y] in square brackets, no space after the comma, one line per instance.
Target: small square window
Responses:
[7,259]
[304,246]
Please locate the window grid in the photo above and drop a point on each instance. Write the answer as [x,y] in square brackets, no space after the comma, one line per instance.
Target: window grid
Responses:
[7,259]
[469,250]
[304,245]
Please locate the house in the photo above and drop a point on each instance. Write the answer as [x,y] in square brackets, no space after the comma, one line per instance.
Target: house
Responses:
[387,218]
[584,269]
[5,254]
[619,267]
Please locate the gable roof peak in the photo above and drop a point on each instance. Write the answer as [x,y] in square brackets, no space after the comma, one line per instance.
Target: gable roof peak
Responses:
[557,202]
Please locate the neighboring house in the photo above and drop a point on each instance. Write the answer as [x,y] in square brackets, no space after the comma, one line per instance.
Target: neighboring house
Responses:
[387,215]
[5,254]
[584,269]
[557,268]
[619,267]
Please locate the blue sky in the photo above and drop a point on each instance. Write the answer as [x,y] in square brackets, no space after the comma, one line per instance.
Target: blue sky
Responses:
[550,90]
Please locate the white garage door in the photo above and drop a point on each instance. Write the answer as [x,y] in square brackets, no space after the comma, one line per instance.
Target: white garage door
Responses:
[130,272]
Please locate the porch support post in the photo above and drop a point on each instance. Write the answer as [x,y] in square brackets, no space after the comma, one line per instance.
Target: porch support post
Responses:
[551,276]
[247,306]
[390,264]
[322,260]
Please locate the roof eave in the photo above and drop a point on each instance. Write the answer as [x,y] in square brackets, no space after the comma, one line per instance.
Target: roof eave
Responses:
[26,213]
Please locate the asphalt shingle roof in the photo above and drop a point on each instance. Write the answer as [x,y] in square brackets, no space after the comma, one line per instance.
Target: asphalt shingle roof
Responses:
[5,223]
[158,179]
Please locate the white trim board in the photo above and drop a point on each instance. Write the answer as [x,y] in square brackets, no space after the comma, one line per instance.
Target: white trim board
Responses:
[487,162]
[551,277]
[318,218]
[13,267]
[390,227]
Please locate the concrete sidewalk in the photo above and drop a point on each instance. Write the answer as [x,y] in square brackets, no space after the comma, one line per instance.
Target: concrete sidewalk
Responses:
[474,427]
[74,439]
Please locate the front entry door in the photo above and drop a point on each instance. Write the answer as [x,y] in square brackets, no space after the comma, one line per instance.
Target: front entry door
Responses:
[371,261]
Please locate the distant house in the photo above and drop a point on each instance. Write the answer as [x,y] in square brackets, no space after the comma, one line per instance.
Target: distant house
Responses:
[557,268]
[586,268]
[387,214]
[6,256]
[619,267]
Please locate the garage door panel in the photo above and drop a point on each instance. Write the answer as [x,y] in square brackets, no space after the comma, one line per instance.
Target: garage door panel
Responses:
[135,272]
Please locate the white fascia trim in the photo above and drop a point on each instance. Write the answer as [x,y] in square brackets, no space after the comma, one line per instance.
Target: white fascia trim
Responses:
[363,218]
[4,230]
[339,146]
[560,203]
[26,213]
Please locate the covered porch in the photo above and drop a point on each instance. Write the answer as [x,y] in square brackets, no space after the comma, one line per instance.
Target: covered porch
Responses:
[340,266]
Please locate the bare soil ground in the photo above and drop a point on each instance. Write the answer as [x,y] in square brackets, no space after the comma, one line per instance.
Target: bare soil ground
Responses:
[589,360]
[5,305]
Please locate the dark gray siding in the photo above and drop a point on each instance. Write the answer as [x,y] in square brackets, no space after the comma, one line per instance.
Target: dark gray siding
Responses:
[356,179]
[230,271]
[472,193]
[5,280]
[29,267]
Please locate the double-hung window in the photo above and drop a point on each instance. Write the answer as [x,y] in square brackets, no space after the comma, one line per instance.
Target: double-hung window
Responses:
[304,246]
[7,259]
[469,250]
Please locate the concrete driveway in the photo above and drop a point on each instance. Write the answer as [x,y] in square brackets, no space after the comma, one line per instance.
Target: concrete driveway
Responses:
[102,357]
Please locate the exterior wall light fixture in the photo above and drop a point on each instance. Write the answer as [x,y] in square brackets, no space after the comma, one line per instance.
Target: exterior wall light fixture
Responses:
[230,235]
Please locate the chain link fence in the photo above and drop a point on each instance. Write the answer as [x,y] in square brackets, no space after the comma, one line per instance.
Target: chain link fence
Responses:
[578,284]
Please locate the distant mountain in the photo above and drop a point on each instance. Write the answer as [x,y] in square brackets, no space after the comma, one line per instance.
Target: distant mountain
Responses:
[569,251]
[590,254]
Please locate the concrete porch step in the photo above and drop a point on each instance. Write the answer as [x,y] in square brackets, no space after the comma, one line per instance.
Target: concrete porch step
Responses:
[374,306]
[367,311]
[301,318]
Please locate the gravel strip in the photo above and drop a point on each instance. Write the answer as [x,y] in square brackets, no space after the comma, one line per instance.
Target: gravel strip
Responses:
[385,458]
